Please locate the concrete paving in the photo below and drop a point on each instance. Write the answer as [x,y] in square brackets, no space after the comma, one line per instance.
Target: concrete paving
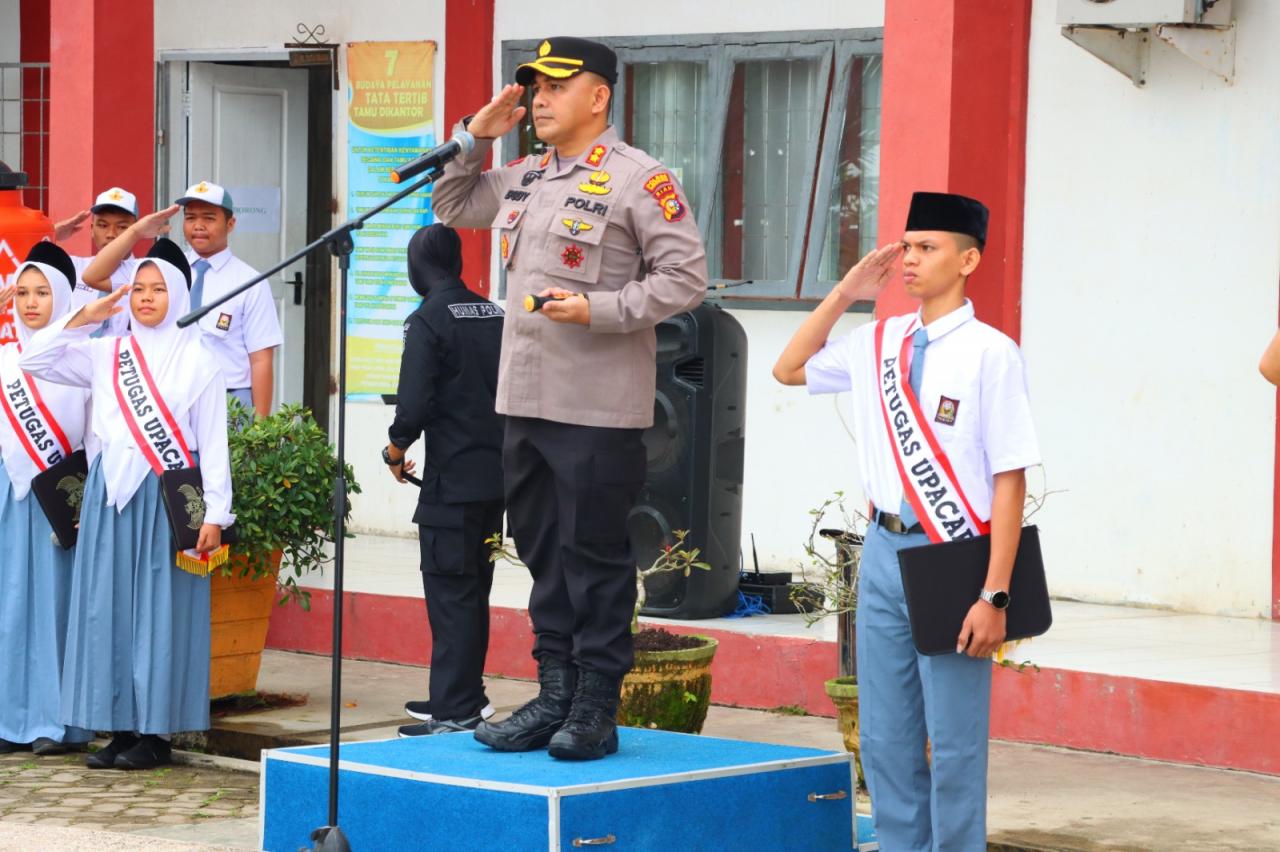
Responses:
[1040,798]
[59,803]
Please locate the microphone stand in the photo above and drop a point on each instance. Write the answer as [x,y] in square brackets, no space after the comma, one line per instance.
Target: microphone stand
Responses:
[340,242]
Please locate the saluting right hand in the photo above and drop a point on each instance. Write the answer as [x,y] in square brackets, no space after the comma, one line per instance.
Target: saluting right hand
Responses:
[6,297]
[498,116]
[865,281]
[100,310]
[155,224]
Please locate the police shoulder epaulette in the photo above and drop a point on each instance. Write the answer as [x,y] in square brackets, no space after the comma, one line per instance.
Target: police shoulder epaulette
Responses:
[641,158]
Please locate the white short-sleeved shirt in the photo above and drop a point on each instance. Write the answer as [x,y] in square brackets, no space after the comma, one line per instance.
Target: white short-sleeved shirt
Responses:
[968,362]
[248,323]
[118,325]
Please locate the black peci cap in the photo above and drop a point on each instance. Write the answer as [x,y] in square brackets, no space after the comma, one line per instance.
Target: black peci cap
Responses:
[562,57]
[167,250]
[52,255]
[943,211]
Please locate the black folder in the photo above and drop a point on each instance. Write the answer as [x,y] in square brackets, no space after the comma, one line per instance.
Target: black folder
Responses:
[183,492]
[59,491]
[942,582]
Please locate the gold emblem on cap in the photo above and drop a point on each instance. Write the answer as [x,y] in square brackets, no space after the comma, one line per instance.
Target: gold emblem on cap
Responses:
[544,48]
[202,187]
[115,195]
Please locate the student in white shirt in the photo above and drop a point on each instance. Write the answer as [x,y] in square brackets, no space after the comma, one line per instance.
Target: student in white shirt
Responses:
[112,213]
[245,331]
[939,391]
[242,333]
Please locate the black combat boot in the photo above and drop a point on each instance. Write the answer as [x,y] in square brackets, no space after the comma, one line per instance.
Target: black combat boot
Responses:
[532,725]
[591,731]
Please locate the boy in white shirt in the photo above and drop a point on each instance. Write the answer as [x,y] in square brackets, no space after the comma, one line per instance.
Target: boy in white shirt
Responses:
[242,333]
[943,443]
[112,213]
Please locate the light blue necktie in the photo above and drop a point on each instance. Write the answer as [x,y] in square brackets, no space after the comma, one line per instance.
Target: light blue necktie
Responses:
[919,341]
[201,266]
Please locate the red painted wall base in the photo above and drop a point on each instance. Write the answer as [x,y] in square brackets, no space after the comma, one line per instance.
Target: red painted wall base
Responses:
[1142,718]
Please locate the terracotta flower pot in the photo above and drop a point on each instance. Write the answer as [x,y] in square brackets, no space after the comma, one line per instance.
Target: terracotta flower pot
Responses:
[240,613]
[843,692]
[669,690]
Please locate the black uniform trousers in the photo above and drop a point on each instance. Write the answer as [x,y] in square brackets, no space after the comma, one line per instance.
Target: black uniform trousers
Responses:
[457,575]
[569,490]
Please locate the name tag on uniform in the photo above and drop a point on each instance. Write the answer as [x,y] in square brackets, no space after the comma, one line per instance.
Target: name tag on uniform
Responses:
[475,310]
[224,322]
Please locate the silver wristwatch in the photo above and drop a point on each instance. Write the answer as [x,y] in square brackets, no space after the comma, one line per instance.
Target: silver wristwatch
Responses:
[998,599]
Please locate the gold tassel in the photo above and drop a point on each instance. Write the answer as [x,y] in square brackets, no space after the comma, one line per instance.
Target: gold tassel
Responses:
[1003,652]
[204,564]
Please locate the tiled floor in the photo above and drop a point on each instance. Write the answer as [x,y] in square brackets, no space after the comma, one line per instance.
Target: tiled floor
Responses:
[1233,653]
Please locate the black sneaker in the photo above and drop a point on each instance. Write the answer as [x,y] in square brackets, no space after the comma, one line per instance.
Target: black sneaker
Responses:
[418,710]
[47,747]
[105,757]
[422,710]
[7,747]
[149,752]
[440,726]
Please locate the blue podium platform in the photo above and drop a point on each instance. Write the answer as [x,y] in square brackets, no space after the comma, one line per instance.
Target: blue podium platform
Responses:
[662,791]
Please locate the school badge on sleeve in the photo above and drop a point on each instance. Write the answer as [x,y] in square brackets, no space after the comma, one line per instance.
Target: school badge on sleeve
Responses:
[947,409]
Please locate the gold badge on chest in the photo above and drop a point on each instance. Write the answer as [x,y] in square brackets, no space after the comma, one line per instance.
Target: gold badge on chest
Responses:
[596,184]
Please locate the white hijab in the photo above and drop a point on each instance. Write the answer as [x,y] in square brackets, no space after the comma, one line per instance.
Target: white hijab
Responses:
[182,368]
[68,405]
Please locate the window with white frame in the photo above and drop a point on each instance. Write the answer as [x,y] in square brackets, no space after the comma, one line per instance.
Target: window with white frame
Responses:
[775,137]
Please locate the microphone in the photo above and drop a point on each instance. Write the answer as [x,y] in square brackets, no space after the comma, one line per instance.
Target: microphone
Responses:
[462,143]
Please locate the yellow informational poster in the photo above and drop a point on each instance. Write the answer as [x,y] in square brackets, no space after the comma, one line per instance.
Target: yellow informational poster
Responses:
[390,109]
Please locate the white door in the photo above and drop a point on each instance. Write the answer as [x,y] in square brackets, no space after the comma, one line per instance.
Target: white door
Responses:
[246,130]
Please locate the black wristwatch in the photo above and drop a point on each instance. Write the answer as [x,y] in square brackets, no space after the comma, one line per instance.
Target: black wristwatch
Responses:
[999,599]
[386,457]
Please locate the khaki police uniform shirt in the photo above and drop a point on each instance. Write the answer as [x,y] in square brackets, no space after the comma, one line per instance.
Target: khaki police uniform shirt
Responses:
[614,224]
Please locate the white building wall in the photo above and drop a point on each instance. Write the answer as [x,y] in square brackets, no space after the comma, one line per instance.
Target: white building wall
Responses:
[1149,292]
[797,451]
[240,27]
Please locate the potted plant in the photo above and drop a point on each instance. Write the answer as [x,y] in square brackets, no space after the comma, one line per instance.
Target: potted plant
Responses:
[282,474]
[829,587]
[669,686]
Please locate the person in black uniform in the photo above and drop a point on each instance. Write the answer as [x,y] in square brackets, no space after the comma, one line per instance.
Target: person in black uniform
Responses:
[448,378]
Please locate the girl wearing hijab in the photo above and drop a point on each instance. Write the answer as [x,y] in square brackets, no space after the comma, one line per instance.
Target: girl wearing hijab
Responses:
[43,423]
[137,660]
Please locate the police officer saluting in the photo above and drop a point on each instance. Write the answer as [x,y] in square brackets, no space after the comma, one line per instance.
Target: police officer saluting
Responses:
[604,231]
[448,377]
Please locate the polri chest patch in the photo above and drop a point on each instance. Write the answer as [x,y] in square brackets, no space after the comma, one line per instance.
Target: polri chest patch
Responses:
[947,410]
[224,322]
[475,310]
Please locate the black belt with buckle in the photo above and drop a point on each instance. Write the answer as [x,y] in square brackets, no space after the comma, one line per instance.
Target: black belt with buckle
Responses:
[894,524]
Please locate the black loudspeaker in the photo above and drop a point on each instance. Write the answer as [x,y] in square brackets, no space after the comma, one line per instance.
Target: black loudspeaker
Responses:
[694,479]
